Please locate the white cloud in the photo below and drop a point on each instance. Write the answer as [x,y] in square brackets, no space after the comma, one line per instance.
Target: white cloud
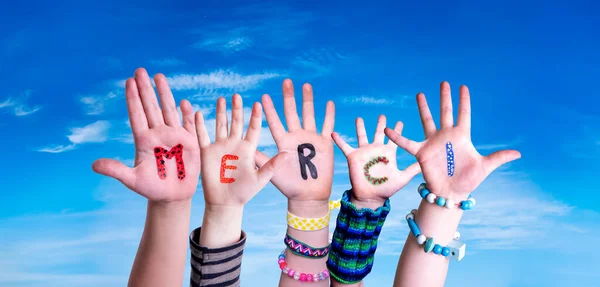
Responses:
[224,43]
[499,146]
[348,139]
[318,62]
[94,105]
[367,100]
[96,132]
[167,62]
[219,80]
[19,107]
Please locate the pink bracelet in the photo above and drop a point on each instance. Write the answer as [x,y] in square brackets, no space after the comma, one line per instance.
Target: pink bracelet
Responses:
[303,277]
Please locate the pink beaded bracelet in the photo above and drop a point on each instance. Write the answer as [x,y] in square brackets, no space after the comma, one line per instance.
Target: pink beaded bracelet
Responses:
[302,277]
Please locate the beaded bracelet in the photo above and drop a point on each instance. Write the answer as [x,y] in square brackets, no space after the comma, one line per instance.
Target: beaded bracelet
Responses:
[455,250]
[303,277]
[302,249]
[447,202]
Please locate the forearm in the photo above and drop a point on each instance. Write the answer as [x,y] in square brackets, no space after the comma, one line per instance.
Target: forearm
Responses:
[417,268]
[221,226]
[371,204]
[161,256]
[317,238]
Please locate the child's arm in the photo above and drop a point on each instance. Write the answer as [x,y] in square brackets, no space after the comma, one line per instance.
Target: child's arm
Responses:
[229,180]
[375,177]
[452,169]
[305,179]
[167,165]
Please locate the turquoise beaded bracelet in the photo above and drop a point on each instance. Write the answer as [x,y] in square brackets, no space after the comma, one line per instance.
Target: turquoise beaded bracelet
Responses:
[455,250]
[447,202]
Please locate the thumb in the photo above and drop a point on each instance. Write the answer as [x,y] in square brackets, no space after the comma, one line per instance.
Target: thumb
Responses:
[265,173]
[260,158]
[116,170]
[496,159]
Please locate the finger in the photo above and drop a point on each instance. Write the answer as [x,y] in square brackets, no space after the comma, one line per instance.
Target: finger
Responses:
[265,173]
[187,113]
[329,121]
[137,116]
[201,132]
[379,135]
[411,147]
[167,102]
[426,118]
[412,170]
[398,129]
[221,120]
[289,107]
[464,109]
[260,158]
[116,170]
[254,127]
[149,101]
[308,108]
[342,144]
[496,159]
[361,133]
[237,117]
[446,119]
[273,120]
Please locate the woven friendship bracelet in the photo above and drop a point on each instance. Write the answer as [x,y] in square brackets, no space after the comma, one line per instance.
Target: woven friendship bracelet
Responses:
[311,224]
[300,248]
[355,240]
[441,201]
[455,250]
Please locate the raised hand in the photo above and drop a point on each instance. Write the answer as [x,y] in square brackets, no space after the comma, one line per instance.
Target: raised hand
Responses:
[450,163]
[167,157]
[229,174]
[308,173]
[373,171]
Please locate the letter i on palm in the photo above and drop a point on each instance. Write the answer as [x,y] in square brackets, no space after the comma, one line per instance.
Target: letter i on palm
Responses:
[373,171]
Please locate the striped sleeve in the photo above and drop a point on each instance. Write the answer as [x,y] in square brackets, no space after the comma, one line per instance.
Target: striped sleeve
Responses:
[219,267]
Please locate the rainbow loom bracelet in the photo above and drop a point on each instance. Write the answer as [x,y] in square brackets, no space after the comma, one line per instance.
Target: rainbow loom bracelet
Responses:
[447,202]
[302,249]
[302,277]
[455,250]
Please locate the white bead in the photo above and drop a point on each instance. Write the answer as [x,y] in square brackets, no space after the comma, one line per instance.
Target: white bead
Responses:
[421,239]
[410,216]
[472,201]
[414,211]
[457,250]
[431,198]
[456,235]
[449,203]
[297,276]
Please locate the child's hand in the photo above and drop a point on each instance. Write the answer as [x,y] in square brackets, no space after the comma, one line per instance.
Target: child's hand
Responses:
[450,163]
[167,157]
[229,174]
[373,171]
[308,173]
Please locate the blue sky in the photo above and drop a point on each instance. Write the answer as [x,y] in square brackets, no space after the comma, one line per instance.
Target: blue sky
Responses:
[531,68]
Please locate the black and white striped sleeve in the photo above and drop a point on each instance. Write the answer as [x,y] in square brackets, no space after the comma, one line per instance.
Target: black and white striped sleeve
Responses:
[219,267]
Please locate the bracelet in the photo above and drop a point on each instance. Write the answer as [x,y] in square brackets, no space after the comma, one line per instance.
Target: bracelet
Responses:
[455,250]
[355,240]
[448,202]
[303,277]
[300,248]
[311,224]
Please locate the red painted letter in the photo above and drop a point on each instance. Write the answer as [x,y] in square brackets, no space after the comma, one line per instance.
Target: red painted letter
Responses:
[224,166]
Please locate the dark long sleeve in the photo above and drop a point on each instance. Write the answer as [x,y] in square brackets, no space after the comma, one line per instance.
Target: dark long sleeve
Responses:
[219,267]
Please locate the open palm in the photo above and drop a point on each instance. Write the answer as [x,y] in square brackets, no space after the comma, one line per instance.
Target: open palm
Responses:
[289,179]
[451,144]
[383,178]
[153,128]
[237,184]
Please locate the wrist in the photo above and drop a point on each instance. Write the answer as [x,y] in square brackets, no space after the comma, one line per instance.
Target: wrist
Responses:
[308,208]
[438,222]
[170,207]
[371,203]
[221,225]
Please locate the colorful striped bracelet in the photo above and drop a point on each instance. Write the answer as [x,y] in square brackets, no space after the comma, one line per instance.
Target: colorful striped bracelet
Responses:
[301,249]
[302,277]
[455,250]
[447,202]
